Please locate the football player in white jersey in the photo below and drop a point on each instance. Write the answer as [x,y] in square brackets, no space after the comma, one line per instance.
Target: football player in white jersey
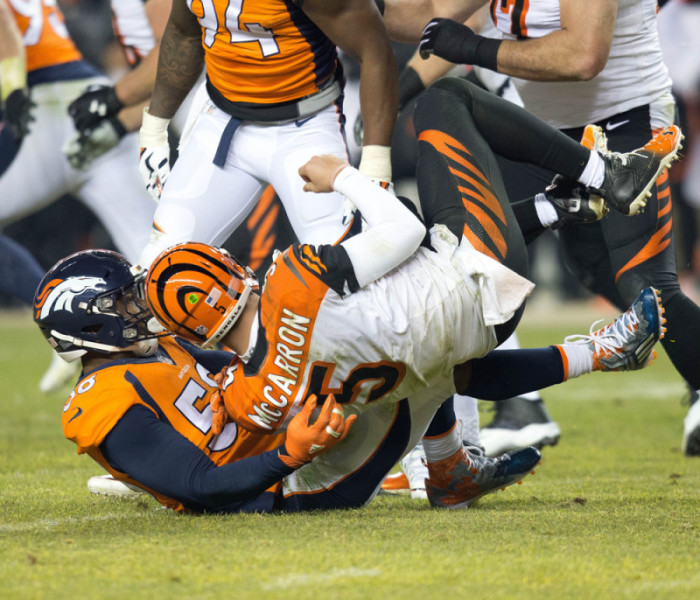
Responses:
[104,113]
[391,314]
[577,63]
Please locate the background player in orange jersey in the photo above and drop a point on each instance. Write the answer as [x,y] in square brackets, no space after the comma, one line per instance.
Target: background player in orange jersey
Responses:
[39,61]
[273,99]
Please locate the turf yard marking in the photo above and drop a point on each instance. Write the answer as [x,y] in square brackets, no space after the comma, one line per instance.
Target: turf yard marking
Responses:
[51,523]
[304,579]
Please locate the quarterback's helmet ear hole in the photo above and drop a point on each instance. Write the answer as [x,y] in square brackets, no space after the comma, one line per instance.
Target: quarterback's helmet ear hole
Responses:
[92,329]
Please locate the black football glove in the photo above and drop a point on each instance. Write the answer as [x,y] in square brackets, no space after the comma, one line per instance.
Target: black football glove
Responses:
[17,112]
[94,105]
[458,44]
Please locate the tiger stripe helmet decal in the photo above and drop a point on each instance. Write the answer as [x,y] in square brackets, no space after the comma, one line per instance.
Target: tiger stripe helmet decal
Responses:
[198,292]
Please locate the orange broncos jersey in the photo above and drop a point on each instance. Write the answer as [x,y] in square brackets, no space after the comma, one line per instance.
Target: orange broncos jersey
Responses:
[263,52]
[171,384]
[45,36]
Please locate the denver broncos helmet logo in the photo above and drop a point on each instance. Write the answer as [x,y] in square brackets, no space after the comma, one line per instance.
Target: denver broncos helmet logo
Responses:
[58,294]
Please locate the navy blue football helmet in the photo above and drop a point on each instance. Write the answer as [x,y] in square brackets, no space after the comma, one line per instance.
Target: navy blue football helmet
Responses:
[91,301]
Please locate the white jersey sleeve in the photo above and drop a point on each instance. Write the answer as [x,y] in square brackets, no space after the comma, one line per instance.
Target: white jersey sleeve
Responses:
[394,232]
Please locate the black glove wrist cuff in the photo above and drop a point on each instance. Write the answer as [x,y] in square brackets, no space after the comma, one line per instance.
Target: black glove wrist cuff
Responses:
[118,127]
[410,85]
[486,53]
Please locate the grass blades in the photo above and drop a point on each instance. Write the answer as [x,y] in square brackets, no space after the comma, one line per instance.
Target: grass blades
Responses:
[613,511]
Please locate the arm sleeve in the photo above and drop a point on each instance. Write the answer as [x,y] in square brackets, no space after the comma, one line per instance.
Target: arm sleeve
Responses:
[394,232]
[157,456]
[212,360]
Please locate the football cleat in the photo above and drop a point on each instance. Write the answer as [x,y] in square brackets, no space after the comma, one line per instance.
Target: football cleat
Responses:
[106,485]
[691,427]
[458,480]
[396,483]
[627,344]
[59,373]
[518,423]
[629,176]
[413,465]
[573,202]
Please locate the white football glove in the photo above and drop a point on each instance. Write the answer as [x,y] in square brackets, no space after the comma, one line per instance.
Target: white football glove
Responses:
[154,162]
[82,148]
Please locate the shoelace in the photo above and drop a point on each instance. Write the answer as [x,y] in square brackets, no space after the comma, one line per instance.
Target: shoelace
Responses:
[611,337]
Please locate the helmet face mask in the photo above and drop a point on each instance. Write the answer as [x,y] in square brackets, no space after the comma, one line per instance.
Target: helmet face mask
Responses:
[90,301]
[198,292]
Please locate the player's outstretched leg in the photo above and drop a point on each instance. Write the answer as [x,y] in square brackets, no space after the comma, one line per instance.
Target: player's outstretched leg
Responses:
[627,344]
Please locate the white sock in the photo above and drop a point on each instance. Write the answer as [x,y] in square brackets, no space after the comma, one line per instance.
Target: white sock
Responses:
[578,360]
[444,446]
[546,213]
[467,412]
[594,173]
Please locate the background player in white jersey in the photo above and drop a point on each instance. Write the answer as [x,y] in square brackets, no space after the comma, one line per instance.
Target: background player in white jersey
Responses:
[576,63]
[104,113]
[43,64]
[373,320]
[275,98]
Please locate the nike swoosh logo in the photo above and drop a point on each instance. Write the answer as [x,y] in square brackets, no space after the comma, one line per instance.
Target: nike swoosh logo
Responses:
[610,126]
[302,121]
[80,412]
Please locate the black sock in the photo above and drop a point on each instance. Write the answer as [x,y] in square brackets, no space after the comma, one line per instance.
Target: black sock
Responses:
[682,337]
[503,374]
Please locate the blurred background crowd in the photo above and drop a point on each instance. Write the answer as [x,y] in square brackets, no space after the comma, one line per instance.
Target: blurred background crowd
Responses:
[67,226]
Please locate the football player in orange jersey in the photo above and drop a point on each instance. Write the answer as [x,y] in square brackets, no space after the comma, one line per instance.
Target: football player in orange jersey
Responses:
[273,99]
[141,405]
[388,314]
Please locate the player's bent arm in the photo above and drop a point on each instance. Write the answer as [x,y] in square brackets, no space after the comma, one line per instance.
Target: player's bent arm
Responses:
[577,52]
[394,231]
[405,19]
[357,28]
[137,85]
[157,456]
[180,62]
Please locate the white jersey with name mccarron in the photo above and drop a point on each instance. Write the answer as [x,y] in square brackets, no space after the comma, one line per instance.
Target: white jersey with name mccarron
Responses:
[635,74]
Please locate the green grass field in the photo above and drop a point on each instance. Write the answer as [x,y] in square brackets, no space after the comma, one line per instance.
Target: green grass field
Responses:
[613,511]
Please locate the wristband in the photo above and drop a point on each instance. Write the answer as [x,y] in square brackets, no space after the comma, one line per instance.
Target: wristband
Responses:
[376,162]
[118,127]
[13,75]
[410,85]
[154,130]
[486,53]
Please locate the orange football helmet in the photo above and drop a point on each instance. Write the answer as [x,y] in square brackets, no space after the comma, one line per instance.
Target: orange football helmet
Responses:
[197,291]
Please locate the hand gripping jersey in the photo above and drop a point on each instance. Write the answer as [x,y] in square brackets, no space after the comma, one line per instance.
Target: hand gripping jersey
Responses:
[263,52]
[634,75]
[176,388]
[44,34]
[395,338]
